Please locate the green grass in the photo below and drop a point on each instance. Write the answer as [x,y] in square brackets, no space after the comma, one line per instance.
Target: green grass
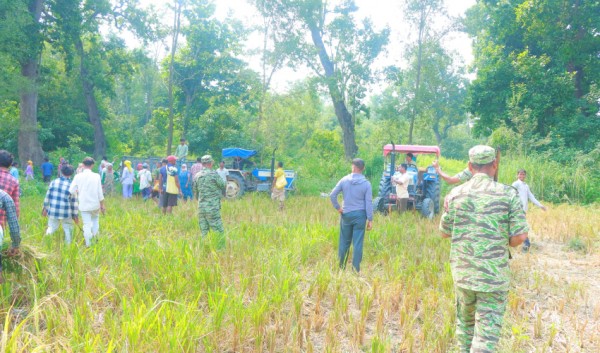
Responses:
[151,284]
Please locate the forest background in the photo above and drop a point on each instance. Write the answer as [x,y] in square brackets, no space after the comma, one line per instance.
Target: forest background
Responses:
[71,86]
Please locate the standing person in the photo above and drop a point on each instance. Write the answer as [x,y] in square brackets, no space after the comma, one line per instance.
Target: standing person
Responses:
[525,195]
[60,206]
[156,187]
[171,188]
[29,171]
[127,179]
[182,151]
[401,180]
[61,163]
[483,218]
[88,187]
[79,169]
[47,170]
[145,182]
[357,210]
[136,179]
[222,171]
[196,168]
[14,171]
[209,187]
[8,183]
[185,180]
[108,179]
[278,187]
[10,210]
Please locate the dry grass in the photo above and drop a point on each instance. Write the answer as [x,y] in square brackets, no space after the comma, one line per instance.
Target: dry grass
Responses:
[151,285]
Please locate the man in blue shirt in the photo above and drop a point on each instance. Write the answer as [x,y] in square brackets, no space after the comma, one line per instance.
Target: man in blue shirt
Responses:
[47,170]
[357,210]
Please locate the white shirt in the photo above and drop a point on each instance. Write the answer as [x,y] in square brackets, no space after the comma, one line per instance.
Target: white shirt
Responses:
[402,181]
[145,178]
[88,186]
[223,173]
[525,195]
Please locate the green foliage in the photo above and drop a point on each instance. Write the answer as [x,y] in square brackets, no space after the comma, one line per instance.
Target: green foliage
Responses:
[9,126]
[540,91]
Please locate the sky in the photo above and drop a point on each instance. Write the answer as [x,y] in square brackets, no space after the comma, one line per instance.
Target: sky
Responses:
[381,12]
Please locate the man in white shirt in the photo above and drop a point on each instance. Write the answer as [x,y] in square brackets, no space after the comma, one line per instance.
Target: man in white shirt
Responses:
[401,179]
[525,195]
[222,171]
[88,187]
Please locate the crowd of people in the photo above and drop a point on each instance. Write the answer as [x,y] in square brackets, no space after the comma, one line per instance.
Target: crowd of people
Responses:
[483,218]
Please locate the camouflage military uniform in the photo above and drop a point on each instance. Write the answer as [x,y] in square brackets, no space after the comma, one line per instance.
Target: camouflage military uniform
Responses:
[481,217]
[209,187]
[464,175]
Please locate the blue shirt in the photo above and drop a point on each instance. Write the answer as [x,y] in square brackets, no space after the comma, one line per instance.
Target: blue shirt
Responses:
[47,168]
[356,190]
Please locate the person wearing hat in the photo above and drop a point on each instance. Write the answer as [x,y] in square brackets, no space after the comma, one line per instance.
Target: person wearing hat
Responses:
[169,180]
[145,178]
[127,179]
[483,218]
[185,180]
[208,188]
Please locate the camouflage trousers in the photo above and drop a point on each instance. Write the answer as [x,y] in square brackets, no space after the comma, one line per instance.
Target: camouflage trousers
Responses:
[479,317]
[210,220]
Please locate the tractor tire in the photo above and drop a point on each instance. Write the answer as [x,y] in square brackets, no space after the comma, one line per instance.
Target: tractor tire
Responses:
[385,186]
[378,205]
[427,208]
[433,192]
[235,186]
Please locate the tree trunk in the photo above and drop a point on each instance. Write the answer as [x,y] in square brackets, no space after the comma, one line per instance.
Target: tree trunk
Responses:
[341,111]
[29,146]
[416,103]
[176,25]
[92,104]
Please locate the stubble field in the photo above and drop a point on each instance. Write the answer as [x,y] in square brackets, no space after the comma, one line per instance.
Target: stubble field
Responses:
[151,284]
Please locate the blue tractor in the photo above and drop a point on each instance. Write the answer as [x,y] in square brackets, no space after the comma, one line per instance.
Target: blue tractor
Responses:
[424,189]
[245,176]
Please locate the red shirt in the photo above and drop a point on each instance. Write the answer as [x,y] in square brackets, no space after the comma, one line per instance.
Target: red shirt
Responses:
[10,185]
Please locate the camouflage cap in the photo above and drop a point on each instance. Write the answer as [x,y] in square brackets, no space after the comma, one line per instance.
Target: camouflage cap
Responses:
[482,154]
[207,158]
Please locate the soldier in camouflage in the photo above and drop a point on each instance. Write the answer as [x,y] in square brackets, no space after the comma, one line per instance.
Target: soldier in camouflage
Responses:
[208,188]
[483,219]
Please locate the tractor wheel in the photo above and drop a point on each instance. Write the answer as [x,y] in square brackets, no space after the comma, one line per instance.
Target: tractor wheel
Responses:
[427,208]
[235,186]
[384,186]
[433,192]
[378,205]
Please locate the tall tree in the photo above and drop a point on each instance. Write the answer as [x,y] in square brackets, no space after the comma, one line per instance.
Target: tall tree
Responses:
[536,63]
[22,35]
[177,9]
[79,23]
[340,51]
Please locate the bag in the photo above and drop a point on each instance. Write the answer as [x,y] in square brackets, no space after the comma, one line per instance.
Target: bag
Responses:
[156,186]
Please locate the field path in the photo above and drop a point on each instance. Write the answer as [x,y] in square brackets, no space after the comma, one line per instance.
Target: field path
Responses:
[557,299]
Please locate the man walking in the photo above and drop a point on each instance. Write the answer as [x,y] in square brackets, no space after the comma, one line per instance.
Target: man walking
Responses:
[47,170]
[88,187]
[357,210]
[9,208]
[525,195]
[208,188]
[60,205]
[483,218]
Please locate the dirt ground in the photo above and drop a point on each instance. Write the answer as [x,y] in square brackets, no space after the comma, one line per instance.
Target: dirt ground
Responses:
[556,301]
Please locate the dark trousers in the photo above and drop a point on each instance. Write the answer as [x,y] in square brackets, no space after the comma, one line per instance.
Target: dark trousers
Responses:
[352,231]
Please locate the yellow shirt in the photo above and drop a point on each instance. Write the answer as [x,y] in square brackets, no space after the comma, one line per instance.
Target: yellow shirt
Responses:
[280,182]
